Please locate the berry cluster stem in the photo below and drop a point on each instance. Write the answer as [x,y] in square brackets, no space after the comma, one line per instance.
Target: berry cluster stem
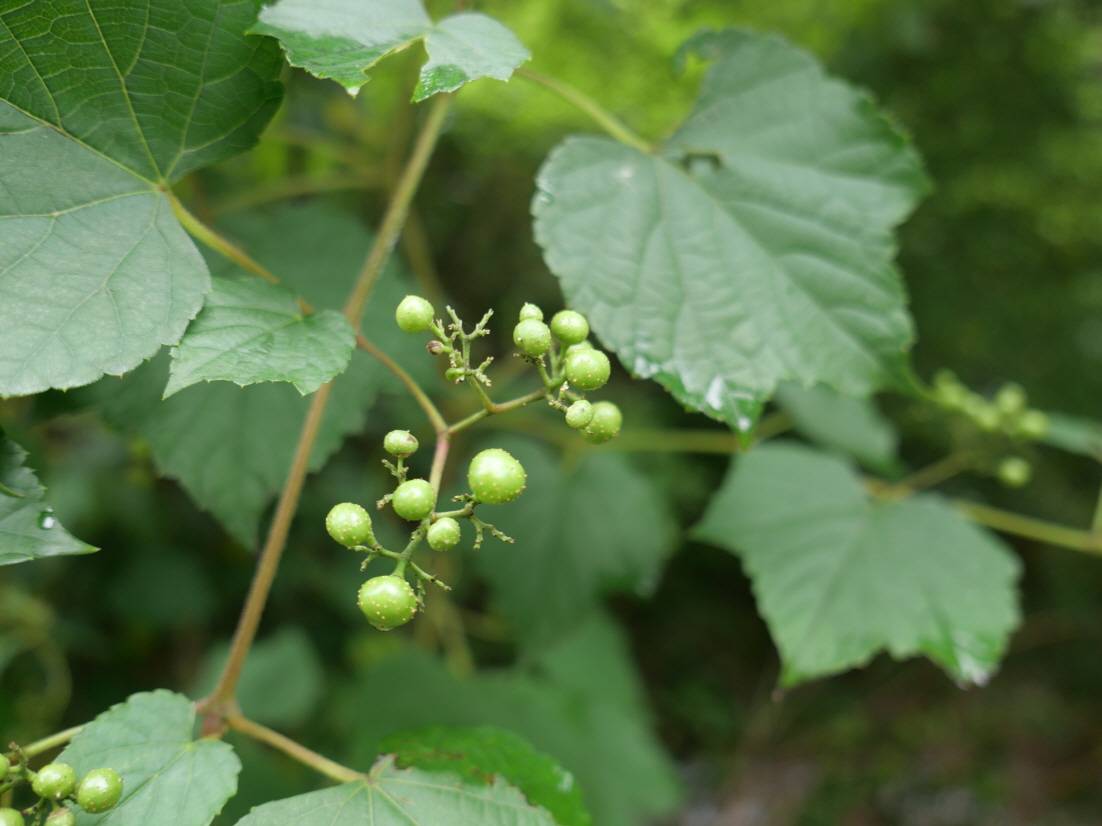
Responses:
[297,751]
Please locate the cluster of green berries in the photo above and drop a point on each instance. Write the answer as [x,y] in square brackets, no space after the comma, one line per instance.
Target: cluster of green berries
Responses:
[1008,412]
[495,477]
[56,784]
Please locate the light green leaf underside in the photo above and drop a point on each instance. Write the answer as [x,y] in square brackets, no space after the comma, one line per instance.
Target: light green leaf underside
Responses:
[756,249]
[481,753]
[100,107]
[342,39]
[404,797]
[579,700]
[1075,435]
[169,777]
[28,528]
[617,537]
[839,577]
[850,425]
[231,447]
[466,47]
[250,331]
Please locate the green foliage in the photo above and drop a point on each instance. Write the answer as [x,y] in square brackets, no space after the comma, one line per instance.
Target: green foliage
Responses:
[251,332]
[402,797]
[599,528]
[480,754]
[342,40]
[27,523]
[839,577]
[169,777]
[579,701]
[739,211]
[114,119]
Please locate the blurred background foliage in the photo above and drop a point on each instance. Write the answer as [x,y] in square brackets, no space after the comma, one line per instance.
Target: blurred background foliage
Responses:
[662,703]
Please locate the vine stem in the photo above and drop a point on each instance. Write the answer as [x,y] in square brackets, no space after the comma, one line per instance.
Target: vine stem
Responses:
[52,742]
[420,396]
[222,698]
[1029,528]
[439,459]
[296,751]
[605,119]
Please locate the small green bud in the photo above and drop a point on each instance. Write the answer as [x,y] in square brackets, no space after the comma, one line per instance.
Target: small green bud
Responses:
[387,601]
[533,338]
[605,424]
[54,781]
[579,414]
[414,500]
[987,418]
[1010,399]
[444,534]
[400,443]
[414,314]
[588,369]
[99,790]
[570,327]
[530,311]
[350,525]
[455,374]
[61,817]
[1014,472]
[1033,424]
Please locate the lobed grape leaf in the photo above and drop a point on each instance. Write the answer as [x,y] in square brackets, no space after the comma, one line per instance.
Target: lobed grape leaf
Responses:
[250,331]
[756,247]
[102,107]
[839,577]
[169,777]
[617,533]
[231,447]
[28,528]
[341,39]
[390,796]
[479,754]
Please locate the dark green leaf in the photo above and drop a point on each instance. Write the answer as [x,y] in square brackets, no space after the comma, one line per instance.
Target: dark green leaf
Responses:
[28,528]
[839,577]
[598,528]
[169,777]
[757,248]
[579,702]
[101,107]
[480,754]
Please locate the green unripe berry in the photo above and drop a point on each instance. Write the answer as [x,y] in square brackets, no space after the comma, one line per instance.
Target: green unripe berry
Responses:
[496,477]
[10,817]
[533,338]
[1033,424]
[99,790]
[530,311]
[61,817]
[579,414]
[569,327]
[54,781]
[400,443]
[349,524]
[1014,472]
[387,601]
[444,534]
[414,314]
[605,424]
[577,348]
[454,374]
[1010,400]
[588,369]
[5,765]
[414,500]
